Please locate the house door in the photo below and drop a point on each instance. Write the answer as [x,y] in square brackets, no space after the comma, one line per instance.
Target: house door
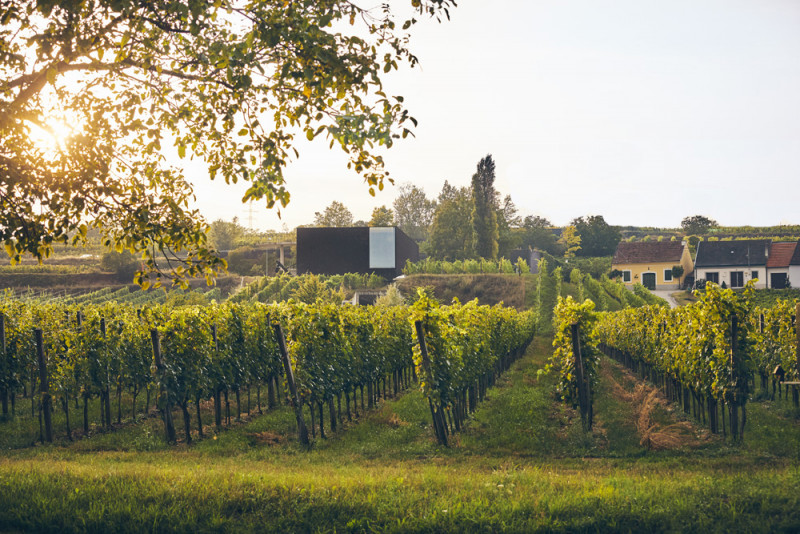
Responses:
[649,280]
[777,280]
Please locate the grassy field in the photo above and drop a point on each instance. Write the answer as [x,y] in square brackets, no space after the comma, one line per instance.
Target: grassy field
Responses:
[523,465]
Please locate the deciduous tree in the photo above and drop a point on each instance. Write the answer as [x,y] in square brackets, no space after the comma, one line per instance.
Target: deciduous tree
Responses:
[123,264]
[697,224]
[336,214]
[508,222]
[413,211]
[677,272]
[229,83]
[598,238]
[570,241]
[537,232]
[451,231]
[382,216]
[223,234]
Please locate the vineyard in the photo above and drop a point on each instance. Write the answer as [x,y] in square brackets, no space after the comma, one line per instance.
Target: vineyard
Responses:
[121,295]
[703,357]
[470,266]
[293,416]
[313,355]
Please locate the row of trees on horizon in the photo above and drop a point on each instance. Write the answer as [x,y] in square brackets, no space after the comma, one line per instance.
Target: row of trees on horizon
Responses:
[468,222]
[476,222]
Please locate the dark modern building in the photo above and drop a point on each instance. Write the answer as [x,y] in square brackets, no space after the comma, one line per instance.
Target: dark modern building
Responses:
[380,250]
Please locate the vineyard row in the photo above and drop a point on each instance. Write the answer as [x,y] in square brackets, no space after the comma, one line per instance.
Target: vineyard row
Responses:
[704,356]
[196,353]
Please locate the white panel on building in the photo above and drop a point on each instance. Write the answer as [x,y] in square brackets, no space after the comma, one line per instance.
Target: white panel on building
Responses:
[381,248]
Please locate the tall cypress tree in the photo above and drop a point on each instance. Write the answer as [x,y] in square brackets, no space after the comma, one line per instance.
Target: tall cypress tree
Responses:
[485,233]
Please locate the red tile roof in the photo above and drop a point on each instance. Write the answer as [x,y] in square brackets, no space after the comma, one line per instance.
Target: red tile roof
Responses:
[649,252]
[780,254]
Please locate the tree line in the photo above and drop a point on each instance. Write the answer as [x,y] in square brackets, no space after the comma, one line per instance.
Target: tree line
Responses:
[477,221]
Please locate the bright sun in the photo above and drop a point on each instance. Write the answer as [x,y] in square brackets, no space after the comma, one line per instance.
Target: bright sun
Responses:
[50,137]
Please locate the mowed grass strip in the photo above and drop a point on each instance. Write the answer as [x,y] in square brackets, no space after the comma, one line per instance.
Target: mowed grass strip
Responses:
[110,495]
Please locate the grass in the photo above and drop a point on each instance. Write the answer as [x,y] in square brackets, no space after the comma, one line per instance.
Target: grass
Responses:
[487,288]
[684,298]
[522,465]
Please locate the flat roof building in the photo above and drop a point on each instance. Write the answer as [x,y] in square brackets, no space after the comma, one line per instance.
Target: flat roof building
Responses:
[382,250]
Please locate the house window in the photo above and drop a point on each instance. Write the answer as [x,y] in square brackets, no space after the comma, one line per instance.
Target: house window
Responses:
[754,275]
[626,276]
[668,275]
[737,279]
[712,277]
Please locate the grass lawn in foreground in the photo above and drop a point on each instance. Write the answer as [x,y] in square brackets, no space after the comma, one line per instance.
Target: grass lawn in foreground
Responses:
[523,465]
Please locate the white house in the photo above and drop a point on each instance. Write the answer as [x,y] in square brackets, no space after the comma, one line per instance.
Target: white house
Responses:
[733,263]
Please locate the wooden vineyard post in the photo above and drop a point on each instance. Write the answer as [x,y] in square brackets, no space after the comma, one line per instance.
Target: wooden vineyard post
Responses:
[169,427]
[583,394]
[4,391]
[217,389]
[302,431]
[797,338]
[762,373]
[44,386]
[439,425]
[734,405]
[105,404]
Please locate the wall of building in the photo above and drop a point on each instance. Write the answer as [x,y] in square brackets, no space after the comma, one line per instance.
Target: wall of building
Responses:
[332,250]
[406,249]
[637,269]
[347,250]
[794,276]
[725,274]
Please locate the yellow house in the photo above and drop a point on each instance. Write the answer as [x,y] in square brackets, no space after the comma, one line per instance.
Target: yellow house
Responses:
[650,263]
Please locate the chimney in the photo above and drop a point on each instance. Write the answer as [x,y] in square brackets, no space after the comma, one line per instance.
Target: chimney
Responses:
[766,249]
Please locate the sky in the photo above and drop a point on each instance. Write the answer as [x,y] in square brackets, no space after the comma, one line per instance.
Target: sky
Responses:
[643,112]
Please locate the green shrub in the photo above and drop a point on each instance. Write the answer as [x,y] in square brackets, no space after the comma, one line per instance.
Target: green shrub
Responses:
[246,261]
[123,264]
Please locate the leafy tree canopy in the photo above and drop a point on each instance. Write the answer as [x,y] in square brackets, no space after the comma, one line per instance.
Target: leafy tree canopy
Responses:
[123,264]
[413,211]
[451,231]
[336,214]
[537,232]
[697,224]
[597,237]
[507,224]
[229,83]
[510,213]
[223,234]
[570,241]
[382,216]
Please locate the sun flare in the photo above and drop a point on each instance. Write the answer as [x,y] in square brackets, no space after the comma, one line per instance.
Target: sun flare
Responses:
[50,137]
